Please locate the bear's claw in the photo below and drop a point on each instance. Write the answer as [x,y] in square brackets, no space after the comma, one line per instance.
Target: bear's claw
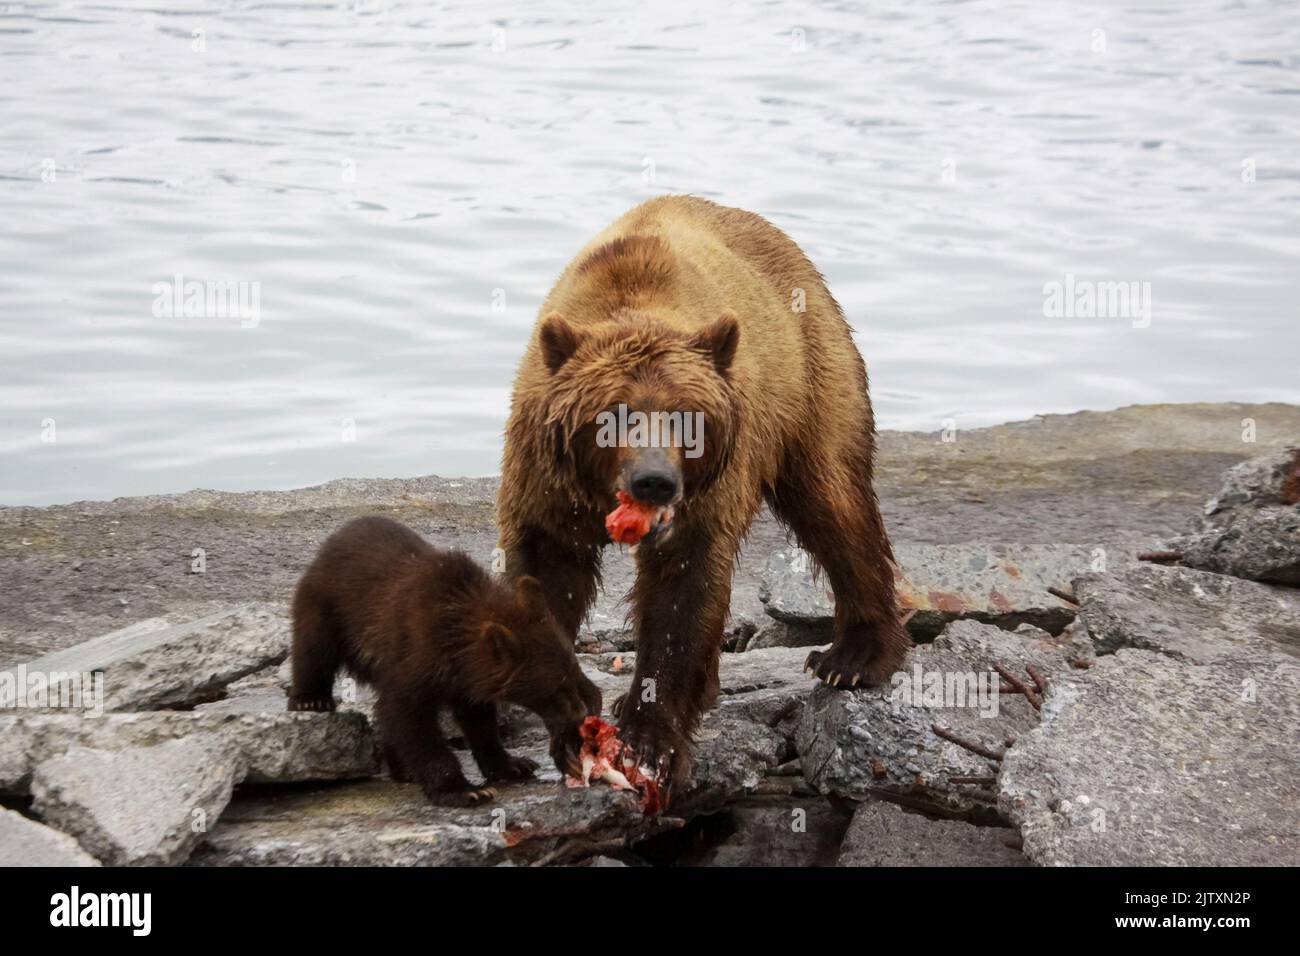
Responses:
[845,668]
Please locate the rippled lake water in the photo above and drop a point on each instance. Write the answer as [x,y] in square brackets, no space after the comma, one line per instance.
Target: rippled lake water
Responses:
[395,185]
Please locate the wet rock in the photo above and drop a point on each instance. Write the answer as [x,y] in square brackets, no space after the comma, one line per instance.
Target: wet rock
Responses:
[880,740]
[25,842]
[883,834]
[156,663]
[1193,616]
[774,633]
[1147,760]
[998,584]
[279,747]
[139,806]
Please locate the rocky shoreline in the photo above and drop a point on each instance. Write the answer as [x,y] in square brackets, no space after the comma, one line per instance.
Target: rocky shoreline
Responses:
[1143,712]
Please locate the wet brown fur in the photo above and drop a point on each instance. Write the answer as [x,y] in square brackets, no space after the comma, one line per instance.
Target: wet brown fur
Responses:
[646,314]
[431,629]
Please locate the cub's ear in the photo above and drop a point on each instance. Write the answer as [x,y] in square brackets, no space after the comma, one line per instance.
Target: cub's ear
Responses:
[559,341]
[719,340]
[530,592]
[500,640]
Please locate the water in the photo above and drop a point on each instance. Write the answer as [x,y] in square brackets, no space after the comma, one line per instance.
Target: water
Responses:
[399,183]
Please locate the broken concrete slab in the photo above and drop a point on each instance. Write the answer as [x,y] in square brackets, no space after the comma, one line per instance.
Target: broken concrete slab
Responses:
[138,806]
[156,664]
[275,748]
[381,823]
[881,740]
[1194,616]
[884,834]
[1147,760]
[998,584]
[1265,481]
[24,842]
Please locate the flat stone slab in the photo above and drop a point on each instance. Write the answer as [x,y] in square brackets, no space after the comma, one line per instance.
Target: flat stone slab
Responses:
[138,806]
[999,584]
[884,834]
[1146,760]
[275,747]
[155,664]
[776,831]
[380,823]
[1193,616]
[25,842]
[881,740]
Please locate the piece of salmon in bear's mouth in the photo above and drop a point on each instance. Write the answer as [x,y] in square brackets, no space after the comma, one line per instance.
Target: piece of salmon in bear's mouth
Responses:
[633,520]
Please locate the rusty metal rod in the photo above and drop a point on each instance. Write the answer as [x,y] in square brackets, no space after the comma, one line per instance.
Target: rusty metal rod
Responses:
[1160,557]
[1039,680]
[1064,595]
[1019,685]
[974,748]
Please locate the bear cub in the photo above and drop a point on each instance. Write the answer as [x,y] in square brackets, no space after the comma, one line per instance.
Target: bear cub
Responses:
[429,629]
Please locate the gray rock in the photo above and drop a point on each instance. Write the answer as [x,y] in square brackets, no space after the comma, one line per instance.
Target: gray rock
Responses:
[774,633]
[25,842]
[1144,759]
[1194,616]
[883,834]
[1263,545]
[997,584]
[155,663]
[1251,527]
[139,806]
[880,740]
[1265,481]
[776,831]
[275,748]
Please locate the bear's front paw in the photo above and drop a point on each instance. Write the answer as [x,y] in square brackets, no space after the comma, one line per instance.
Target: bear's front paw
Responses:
[321,704]
[659,750]
[471,797]
[510,769]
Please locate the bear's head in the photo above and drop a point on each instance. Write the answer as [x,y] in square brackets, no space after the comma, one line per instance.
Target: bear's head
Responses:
[642,405]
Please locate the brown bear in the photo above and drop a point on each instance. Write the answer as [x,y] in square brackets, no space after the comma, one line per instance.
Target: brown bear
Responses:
[686,306]
[431,629]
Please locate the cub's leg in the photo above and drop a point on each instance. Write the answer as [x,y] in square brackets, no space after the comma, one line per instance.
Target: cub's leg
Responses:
[568,573]
[408,724]
[826,499]
[483,734]
[317,652]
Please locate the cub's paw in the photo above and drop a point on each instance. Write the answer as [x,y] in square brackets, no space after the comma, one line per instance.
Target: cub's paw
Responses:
[510,769]
[473,797]
[849,667]
[312,703]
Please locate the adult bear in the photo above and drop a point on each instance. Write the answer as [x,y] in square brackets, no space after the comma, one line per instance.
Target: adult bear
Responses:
[686,306]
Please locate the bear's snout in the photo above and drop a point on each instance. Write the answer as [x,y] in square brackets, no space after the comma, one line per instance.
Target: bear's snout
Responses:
[654,486]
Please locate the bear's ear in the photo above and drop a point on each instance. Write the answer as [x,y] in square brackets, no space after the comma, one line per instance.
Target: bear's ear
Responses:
[500,640]
[719,340]
[531,594]
[559,341]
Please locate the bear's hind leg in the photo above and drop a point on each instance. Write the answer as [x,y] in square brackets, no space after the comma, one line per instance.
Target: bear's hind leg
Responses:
[482,733]
[831,508]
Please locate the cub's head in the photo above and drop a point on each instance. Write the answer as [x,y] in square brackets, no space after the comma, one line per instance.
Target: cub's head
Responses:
[641,406]
[536,668]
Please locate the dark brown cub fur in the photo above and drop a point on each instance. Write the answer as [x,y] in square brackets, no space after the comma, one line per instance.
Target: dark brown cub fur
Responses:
[429,629]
